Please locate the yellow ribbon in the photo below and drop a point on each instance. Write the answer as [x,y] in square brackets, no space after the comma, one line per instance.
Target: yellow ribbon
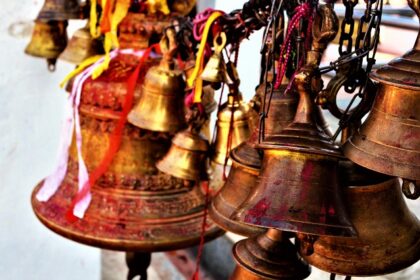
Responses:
[195,79]
[111,39]
[82,66]
[158,5]
[94,29]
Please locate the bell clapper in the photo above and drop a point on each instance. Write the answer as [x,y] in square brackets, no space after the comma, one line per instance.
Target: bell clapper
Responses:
[137,263]
[51,64]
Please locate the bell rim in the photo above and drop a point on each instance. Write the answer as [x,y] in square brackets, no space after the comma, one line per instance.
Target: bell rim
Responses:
[134,244]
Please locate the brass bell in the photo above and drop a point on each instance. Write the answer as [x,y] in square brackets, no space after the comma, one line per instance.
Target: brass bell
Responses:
[246,165]
[215,70]
[61,10]
[81,46]
[389,140]
[48,40]
[161,105]
[182,7]
[134,207]
[388,234]
[298,187]
[232,128]
[187,157]
[268,256]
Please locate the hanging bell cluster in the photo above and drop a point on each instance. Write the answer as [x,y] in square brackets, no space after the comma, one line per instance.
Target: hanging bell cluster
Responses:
[49,37]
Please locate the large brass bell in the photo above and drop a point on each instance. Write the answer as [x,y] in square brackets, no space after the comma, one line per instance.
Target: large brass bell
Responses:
[388,234]
[81,46]
[134,207]
[48,40]
[246,165]
[397,109]
[161,105]
[61,10]
[298,186]
[268,256]
[187,157]
[232,128]
[215,70]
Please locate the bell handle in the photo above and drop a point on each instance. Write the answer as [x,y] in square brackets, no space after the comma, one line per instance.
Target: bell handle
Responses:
[411,189]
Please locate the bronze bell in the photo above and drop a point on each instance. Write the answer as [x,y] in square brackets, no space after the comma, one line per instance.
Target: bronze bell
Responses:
[48,40]
[232,121]
[389,140]
[134,207]
[268,256]
[246,165]
[161,105]
[388,233]
[61,10]
[298,187]
[81,46]
[215,70]
[187,157]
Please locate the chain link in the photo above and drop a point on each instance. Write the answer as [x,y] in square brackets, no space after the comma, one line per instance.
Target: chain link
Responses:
[347,28]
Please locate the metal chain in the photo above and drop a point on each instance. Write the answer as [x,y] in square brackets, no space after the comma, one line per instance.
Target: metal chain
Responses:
[347,28]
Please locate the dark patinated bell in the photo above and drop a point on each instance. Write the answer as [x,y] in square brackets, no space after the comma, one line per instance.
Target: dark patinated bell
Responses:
[389,140]
[268,256]
[246,165]
[81,46]
[388,234]
[48,41]
[298,187]
[61,10]
[134,206]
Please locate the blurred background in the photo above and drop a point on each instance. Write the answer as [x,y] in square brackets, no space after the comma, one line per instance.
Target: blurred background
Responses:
[31,113]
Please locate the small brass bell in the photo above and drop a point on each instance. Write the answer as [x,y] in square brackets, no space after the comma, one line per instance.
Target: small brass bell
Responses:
[61,10]
[298,187]
[268,256]
[48,40]
[232,128]
[81,46]
[187,157]
[215,70]
[389,140]
[388,233]
[181,7]
[161,105]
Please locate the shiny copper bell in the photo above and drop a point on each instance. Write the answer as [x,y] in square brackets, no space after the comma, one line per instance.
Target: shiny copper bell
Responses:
[268,256]
[187,157]
[161,105]
[388,233]
[246,165]
[298,187]
[215,70]
[81,46]
[61,10]
[389,139]
[48,40]
[134,206]
[232,121]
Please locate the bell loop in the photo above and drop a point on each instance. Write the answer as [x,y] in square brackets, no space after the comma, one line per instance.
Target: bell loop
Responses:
[411,189]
